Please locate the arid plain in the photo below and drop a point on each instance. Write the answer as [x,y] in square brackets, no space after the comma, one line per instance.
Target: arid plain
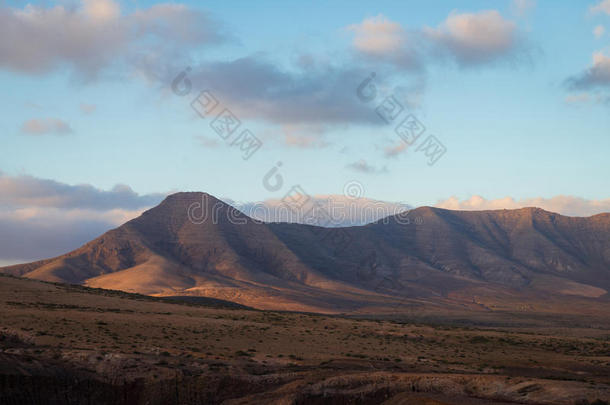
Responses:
[71,344]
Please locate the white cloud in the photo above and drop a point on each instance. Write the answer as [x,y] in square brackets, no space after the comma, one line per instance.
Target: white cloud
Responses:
[95,35]
[598,75]
[35,233]
[253,87]
[378,35]
[55,216]
[599,31]
[522,7]
[28,191]
[43,126]
[475,38]
[565,205]
[101,10]
[469,38]
[602,7]
[176,22]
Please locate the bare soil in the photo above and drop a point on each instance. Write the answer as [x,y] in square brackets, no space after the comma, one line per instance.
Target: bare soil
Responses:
[64,344]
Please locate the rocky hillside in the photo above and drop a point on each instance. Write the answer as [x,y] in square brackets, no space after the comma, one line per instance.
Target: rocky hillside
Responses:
[194,244]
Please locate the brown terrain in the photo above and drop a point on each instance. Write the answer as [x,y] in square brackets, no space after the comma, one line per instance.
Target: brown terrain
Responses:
[427,307]
[65,344]
[526,259]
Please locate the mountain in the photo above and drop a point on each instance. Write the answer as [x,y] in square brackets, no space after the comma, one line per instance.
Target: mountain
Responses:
[193,244]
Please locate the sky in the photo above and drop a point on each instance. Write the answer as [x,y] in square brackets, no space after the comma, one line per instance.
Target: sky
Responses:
[108,106]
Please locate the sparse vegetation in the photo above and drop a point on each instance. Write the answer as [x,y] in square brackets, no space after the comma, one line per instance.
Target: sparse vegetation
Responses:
[129,338]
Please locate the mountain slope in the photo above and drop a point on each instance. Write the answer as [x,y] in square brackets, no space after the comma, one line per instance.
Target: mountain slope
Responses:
[194,244]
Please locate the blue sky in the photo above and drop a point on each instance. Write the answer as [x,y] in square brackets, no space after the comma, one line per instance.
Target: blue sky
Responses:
[506,124]
[517,92]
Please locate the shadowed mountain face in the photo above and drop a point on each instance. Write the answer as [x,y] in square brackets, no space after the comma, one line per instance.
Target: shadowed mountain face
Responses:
[194,244]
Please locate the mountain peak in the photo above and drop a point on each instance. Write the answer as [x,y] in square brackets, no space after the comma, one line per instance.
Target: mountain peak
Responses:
[195,244]
[190,209]
[184,202]
[188,196]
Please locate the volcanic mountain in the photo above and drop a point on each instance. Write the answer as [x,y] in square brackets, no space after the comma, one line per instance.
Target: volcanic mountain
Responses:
[193,244]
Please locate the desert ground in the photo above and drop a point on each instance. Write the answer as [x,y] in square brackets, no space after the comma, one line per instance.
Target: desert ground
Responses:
[72,344]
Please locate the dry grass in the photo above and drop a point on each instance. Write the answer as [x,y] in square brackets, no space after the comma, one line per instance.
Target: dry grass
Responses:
[120,339]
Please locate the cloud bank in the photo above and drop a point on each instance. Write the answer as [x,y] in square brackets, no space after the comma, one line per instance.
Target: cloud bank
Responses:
[378,38]
[255,88]
[340,209]
[42,218]
[565,205]
[96,35]
[28,191]
[470,39]
[475,38]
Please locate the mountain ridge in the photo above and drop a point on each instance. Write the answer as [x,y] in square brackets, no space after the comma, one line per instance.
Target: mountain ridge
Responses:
[194,244]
